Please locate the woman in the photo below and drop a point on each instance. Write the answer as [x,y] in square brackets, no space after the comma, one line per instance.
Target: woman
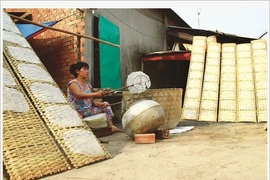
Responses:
[81,95]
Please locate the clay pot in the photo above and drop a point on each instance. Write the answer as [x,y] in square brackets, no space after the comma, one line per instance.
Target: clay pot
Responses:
[144,116]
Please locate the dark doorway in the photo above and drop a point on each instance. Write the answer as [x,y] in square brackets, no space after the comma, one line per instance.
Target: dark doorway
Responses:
[167,73]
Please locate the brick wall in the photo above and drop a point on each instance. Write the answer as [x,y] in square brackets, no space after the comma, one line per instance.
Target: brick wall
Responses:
[57,50]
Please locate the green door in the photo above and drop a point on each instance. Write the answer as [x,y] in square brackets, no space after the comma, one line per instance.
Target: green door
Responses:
[110,69]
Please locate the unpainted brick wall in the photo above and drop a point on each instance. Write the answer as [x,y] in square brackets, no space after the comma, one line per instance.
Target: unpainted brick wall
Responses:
[57,50]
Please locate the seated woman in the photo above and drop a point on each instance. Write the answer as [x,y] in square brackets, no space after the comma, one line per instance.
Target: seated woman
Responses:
[81,95]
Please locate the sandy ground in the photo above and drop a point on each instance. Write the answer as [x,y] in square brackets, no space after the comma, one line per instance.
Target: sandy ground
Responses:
[210,151]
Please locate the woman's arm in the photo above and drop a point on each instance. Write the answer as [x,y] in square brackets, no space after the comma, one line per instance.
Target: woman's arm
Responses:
[74,88]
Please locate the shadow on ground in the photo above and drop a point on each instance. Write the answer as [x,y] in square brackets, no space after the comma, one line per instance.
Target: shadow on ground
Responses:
[115,143]
[193,123]
[197,123]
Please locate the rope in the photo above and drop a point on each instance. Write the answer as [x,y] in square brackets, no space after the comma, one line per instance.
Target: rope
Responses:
[124,87]
[120,102]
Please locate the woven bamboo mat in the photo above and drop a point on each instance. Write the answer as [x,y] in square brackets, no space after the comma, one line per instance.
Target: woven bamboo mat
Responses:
[209,96]
[50,102]
[53,106]
[260,63]
[170,100]
[245,96]
[29,151]
[195,79]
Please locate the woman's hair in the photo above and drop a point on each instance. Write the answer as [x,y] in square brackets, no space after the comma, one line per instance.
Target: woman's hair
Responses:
[74,67]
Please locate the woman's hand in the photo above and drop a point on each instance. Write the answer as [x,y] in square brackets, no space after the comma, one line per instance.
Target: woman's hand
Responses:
[100,93]
[101,104]
[104,104]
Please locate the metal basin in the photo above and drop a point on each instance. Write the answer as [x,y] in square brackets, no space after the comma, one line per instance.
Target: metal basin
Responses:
[144,116]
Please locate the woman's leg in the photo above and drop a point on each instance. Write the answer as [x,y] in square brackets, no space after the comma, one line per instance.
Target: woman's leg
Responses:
[113,127]
[109,115]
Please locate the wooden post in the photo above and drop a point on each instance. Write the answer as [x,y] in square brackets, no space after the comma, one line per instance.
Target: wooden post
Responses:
[78,48]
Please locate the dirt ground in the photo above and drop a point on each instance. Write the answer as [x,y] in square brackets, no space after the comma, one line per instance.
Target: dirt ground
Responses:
[210,151]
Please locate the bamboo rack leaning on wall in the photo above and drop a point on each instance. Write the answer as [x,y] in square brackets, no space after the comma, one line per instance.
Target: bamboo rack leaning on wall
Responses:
[227,82]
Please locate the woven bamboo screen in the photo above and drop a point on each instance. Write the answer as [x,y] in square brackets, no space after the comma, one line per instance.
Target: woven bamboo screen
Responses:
[76,141]
[192,97]
[29,151]
[210,89]
[170,99]
[245,97]
[227,91]
[260,67]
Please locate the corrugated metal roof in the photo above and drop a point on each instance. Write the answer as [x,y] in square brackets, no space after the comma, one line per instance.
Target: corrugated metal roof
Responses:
[185,35]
